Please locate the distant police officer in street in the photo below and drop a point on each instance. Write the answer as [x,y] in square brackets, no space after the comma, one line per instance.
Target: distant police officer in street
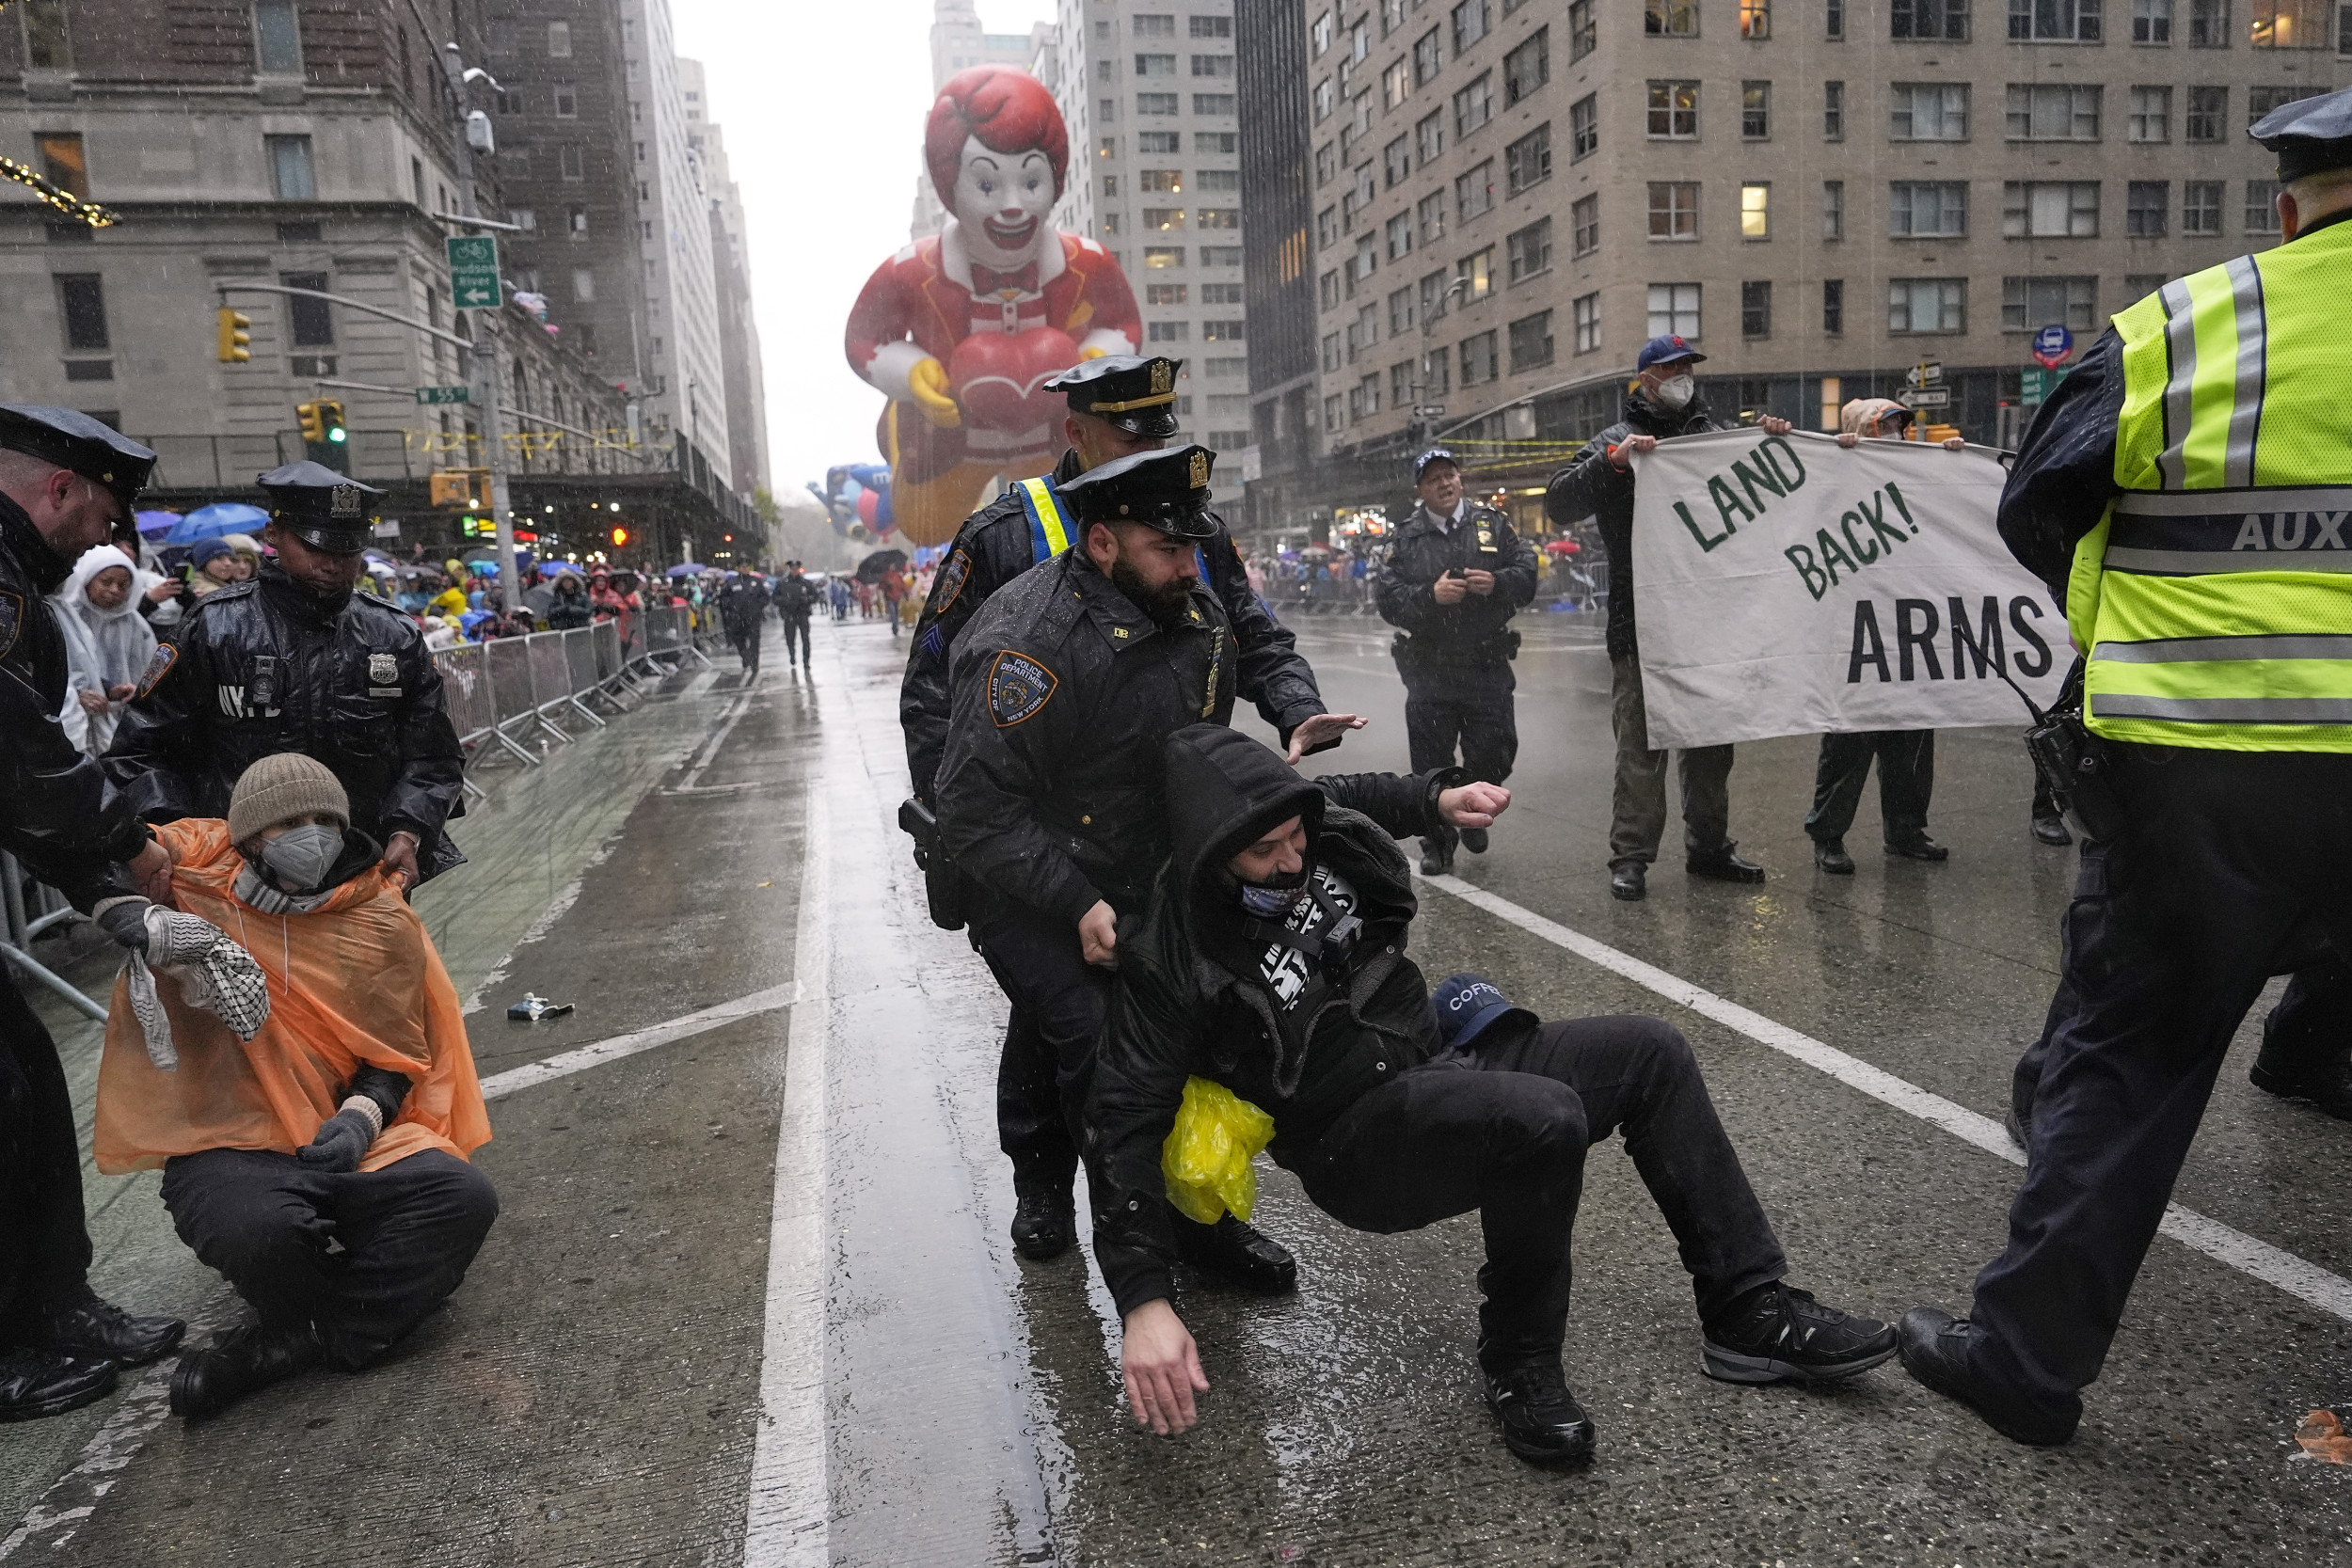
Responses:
[1120,405]
[65,481]
[796,597]
[1065,688]
[1451,579]
[294,661]
[2183,493]
[743,616]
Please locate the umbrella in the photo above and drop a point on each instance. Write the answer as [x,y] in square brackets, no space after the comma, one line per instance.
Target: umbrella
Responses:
[1564,546]
[156,522]
[686,569]
[211,522]
[553,568]
[873,566]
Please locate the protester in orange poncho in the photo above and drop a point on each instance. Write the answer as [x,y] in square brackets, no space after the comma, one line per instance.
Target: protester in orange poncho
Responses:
[347,1118]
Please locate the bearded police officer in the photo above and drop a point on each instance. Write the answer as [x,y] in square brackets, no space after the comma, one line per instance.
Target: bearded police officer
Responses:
[293,659]
[1451,579]
[1065,686]
[2184,490]
[65,480]
[1120,405]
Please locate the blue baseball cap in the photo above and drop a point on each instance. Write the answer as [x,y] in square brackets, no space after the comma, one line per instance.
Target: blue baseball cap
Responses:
[1435,454]
[1664,347]
[1467,1005]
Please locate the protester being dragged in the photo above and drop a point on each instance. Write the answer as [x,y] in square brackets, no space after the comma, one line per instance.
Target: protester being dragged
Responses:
[321,1165]
[107,645]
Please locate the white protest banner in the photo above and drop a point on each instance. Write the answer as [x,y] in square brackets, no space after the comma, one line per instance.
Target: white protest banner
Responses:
[1785,585]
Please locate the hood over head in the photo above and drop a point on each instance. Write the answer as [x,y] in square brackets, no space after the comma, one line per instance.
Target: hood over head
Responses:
[98,558]
[1224,790]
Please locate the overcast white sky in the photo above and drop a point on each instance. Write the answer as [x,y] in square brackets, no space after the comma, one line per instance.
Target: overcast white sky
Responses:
[822,104]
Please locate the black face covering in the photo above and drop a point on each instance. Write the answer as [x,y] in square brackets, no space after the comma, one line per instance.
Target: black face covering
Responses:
[1272,897]
[1167,606]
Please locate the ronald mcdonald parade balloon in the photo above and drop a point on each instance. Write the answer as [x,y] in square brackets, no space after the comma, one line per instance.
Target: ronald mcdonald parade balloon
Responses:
[961,330]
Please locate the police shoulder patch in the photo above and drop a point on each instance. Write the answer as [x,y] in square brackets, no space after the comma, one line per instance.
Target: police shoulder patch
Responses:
[953,577]
[1018,688]
[11,619]
[165,655]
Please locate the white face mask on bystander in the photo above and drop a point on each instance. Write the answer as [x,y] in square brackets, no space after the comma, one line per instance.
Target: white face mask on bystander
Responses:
[1676,391]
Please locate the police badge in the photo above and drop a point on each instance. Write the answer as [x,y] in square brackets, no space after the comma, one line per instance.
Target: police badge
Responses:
[343,501]
[11,619]
[1163,378]
[1018,687]
[383,670]
[1199,475]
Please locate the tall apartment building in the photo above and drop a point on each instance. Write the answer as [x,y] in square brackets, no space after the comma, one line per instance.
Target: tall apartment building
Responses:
[1510,196]
[1148,90]
[959,43]
[686,386]
[739,330]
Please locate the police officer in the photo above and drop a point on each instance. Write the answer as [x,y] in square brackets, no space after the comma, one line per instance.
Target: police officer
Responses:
[1118,405]
[2181,492]
[1450,580]
[742,614]
[65,480]
[795,597]
[293,660]
[1065,686]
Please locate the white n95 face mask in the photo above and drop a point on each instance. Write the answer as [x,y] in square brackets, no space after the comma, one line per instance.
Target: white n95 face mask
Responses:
[302,856]
[1677,392]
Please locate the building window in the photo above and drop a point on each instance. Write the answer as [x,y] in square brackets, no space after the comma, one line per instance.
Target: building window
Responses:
[2038,113]
[1430,216]
[2262,206]
[1673,307]
[1929,111]
[1477,273]
[1528,251]
[1223,142]
[2050,209]
[82,305]
[1217,182]
[1833,208]
[1931,21]
[1322,33]
[290,167]
[1756,210]
[1834,21]
[1833,111]
[1222,104]
[1166,293]
[1755,111]
[1429,137]
[1583,37]
[2152,21]
[1428,56]
[1399,236]
[1326,99]
[2151,115]
[1756,19]
[1222,332]
[1531,342]
[2054,21]
[523,218]
[1163,218]
[2200,207]
[1527,68]
[1395,82]
[1162,142]
[1366,259]
[1473,106]
[2209,24]
[1755,309]
[583,286]
[1400,384]
[1586,314]
[1832,306]
[566,100]
[1400,311]
[1212,26]
[1478,359]
[1584,127]
[1168,332]
[312,321]
[1527,162]
[1474,192]
[1584,224]
[2291,24]
[1396,162]
[1915,304]
[2262,101]
[2208,111]
[568,163]
[277,37]
[1927,209]
[1670,19]
[1433,297]
[1155,65]
[1331,350]
[1469,24]
[1167,179]
[64,161]
[1160,257]
[2030,304]
[1327,165]
[1674,210]
[576,221]
[48,42]
[1217,217]
[1328,228]
[2146,205]
[1673,110]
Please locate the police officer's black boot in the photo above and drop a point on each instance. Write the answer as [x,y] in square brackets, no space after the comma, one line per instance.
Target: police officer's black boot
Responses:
[1045,1225]
[208,1382]
[1936,1350]
[1238,1253]
[1630,880]
[1540,1417]
[94,1329]
[38,1383]
[2290,1068]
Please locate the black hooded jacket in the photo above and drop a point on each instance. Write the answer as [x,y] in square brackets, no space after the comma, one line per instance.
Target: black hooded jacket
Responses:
[1191,1000]
[1592,486]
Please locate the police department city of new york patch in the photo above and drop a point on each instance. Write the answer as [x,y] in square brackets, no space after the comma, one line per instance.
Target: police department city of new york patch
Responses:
[952,578]
[11,619]
[1018,687]
[158,666]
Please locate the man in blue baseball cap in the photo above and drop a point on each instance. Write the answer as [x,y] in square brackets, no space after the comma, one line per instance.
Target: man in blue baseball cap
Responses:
[1664,402]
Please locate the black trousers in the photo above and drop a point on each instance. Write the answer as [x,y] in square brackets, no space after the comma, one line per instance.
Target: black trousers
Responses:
[1906,760]
[795,627]
[44,1245]
[1058,1004]
[2229,862]
[1503,1130]
[265,1220]
[744,638]
[1467,705]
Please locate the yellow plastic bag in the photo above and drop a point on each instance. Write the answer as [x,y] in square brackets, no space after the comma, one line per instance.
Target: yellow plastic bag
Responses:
[1206,1158]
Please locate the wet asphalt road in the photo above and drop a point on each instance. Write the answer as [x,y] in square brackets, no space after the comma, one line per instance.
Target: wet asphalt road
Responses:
[593,1394]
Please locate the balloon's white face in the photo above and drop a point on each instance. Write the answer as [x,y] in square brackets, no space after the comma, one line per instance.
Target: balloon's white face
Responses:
[1001,199]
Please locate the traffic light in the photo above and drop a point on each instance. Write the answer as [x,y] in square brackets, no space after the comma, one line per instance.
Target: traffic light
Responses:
[620,537]
[306,415]
[461,490]
[236,330]
[332,421]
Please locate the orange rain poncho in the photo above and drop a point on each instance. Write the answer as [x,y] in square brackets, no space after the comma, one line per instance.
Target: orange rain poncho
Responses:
[355,984]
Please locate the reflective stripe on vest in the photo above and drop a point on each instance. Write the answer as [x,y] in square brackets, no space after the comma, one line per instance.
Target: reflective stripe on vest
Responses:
[2215,596]
[1047,537]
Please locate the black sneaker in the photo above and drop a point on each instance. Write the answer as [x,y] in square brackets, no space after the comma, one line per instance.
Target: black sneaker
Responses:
[1540,1418]
[1044,1225]
[1936,1350]
[1781,1335]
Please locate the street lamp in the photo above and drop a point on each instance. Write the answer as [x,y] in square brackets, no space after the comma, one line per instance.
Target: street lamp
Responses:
[1426,428]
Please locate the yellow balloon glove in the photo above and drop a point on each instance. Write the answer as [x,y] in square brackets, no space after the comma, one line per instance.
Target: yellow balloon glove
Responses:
[927,381]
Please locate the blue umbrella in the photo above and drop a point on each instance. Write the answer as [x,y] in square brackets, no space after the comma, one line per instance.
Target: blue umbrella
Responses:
[153,523]
[214,521]
[687,569]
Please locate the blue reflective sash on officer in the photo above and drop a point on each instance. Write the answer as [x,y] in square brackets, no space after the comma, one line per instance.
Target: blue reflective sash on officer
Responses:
[1048,538]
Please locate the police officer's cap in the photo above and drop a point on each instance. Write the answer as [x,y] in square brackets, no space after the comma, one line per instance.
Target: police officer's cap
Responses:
[77,443]
[1168,490]
[2311,136]
[326,510]
[1126,391]
[1435,454]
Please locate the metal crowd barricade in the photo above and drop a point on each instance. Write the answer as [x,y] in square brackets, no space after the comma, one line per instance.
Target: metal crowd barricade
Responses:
[27,919]
[498,691]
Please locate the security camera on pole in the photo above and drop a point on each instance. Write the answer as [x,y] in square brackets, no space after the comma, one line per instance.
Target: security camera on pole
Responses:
[474,285]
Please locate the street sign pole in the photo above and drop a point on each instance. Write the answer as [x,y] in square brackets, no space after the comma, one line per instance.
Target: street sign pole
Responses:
[484,361]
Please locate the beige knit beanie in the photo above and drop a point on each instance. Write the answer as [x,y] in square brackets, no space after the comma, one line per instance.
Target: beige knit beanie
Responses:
[285,786]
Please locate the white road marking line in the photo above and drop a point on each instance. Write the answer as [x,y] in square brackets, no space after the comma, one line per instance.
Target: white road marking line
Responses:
[787,1513]
[718,737]
[2297,1277]
[498,1085]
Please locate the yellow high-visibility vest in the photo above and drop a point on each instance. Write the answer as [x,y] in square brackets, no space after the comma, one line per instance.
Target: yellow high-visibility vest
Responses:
[2216,595]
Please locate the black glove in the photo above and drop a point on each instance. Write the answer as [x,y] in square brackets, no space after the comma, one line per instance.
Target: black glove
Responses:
[342,1141]
[125,920]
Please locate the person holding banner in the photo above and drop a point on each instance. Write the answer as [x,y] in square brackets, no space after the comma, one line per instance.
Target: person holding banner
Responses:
[1663,403]
[2184,491]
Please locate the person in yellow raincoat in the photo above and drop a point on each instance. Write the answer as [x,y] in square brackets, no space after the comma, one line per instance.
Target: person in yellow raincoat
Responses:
[348,1118]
